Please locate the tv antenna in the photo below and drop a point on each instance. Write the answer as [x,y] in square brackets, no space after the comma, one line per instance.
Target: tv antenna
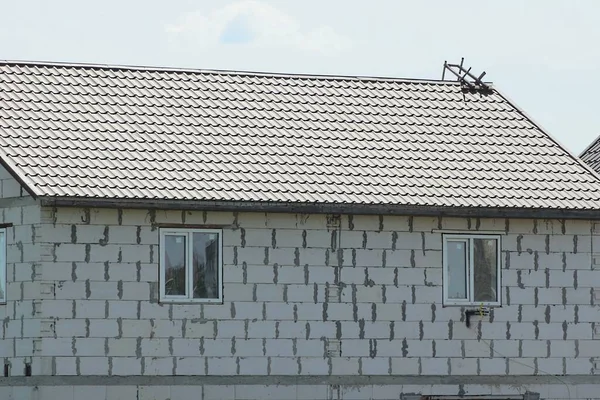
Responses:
[468,81]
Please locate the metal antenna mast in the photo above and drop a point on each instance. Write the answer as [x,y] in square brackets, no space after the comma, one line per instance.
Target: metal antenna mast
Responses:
[468,81]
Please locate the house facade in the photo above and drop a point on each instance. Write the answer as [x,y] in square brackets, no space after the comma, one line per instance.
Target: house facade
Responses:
[186,297]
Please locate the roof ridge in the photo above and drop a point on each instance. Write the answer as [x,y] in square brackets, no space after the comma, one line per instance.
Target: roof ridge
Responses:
[226,72]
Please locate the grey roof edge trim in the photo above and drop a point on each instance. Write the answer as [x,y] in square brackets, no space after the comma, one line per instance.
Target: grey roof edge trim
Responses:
[28,186]
[590,146]
[321,208]
[550,136]
[228,72]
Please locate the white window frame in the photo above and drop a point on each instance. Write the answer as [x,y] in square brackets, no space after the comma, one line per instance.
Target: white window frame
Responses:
[468,238]
[3,264]
[189,262]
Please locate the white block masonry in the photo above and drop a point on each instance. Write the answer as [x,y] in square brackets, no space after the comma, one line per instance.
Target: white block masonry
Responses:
[83,287]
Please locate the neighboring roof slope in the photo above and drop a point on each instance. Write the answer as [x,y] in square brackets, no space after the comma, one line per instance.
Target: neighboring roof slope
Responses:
[591,155]
[120,133]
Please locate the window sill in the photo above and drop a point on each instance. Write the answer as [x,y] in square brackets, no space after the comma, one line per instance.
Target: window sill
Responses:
[191,301]
[470,305]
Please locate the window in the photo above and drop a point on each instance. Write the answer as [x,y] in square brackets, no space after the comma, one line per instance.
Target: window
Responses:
[191,265]
[2,265]
[472,269]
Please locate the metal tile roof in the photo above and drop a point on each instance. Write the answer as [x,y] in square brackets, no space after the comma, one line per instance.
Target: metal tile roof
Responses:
[591,155]
[75,131]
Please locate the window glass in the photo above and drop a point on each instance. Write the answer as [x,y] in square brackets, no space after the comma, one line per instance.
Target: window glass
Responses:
[485,269]
[175,265]
[457,269]
[206,265]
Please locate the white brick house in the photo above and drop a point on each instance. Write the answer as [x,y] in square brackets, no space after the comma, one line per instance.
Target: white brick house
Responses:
[196,235]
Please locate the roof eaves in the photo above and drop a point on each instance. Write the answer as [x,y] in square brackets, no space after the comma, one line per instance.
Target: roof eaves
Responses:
[320,208]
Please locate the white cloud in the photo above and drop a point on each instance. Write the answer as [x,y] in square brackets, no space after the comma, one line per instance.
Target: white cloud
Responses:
[257,24]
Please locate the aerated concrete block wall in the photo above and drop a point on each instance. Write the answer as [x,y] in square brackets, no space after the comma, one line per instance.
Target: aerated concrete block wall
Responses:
[20,216]
[346,298]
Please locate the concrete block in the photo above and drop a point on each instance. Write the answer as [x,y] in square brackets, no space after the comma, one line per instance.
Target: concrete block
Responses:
[366,294]
[265,292]
[417,348]
[91,308]
[251,347]
[285,366]
[428,295]
[564,348]
[165,328]
[493,330]
[89,347]
[155,348]
[57,347]
[260,274]
[190,366]
[460,366]
[126,272]
[339,311]
[198,328]
[314,366]
[121,309]
[18,347]
[153,392]
[11,188]
[344,366]
[300,293]
[534,348]
[159,311]
[89,392]
[578,261]
[24,392]
[186,347]
[405,366]
[291,274]
[70,327]
[219,392]
[186,391]
[313,392]
[247,310]
[239,292]
[310,348]
[322,329]
[409,241]
[225,366]
[126,366]
[217,347]
[521,366]
[158,366]
[364,257]
[280,348]
[93,365]
[256,392]
[136,328]
[123,347]
[54,392]
[549,296]
[97,290]
[398,294]
[66,366]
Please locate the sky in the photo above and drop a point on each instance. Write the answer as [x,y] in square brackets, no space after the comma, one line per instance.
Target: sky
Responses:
[542,54]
